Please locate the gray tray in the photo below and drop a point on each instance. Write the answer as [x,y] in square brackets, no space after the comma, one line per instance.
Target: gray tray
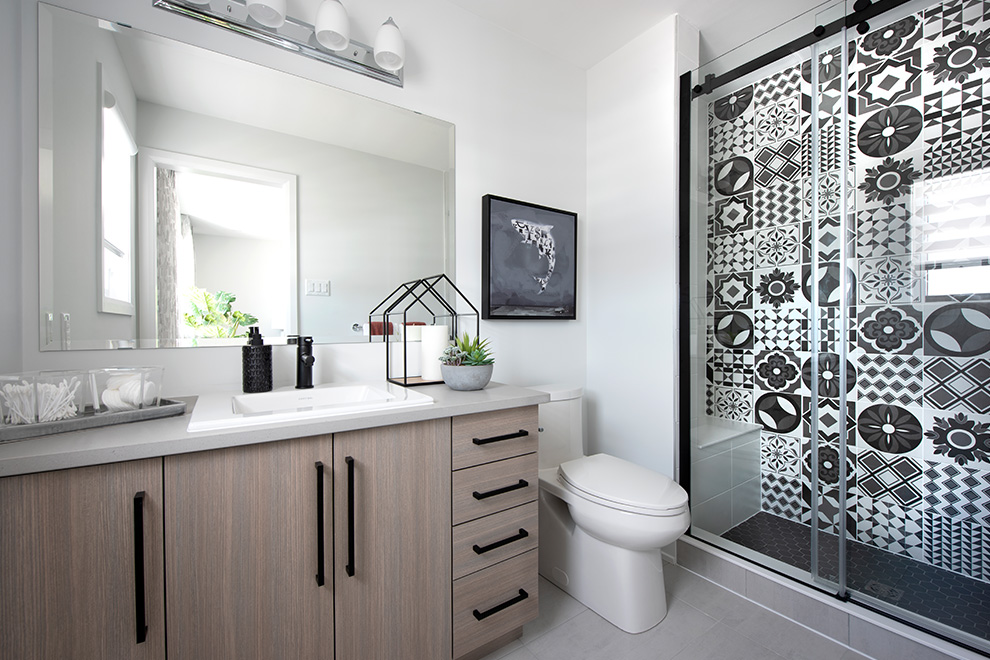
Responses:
[89,420]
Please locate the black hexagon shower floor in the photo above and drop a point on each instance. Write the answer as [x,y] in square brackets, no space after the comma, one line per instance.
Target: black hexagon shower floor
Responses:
[935,593]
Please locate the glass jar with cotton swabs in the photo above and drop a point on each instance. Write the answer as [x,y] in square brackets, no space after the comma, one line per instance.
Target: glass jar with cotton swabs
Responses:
[45,396]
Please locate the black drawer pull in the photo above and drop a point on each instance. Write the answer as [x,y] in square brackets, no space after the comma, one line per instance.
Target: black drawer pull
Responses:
[498,491]
[140,614]
[320,549]
[498,544]
[498,438]
[498,608]
[349,567]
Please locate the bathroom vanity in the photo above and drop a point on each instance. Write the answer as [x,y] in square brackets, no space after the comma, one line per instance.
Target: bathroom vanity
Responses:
[410,533]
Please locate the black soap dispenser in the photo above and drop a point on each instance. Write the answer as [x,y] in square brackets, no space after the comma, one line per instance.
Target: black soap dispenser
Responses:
[256,363]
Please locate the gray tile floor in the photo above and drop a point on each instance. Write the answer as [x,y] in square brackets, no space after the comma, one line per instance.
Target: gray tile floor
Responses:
[704,622]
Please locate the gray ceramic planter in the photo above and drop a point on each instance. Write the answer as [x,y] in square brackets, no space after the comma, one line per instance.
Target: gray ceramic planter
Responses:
[466,378]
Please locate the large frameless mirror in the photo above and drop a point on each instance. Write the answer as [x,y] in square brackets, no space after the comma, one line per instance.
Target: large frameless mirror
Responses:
[185,194]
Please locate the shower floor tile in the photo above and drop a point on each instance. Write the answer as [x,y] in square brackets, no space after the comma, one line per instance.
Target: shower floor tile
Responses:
[932,592]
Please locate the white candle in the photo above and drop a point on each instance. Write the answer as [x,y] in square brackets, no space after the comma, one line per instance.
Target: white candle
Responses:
[435,340]
[395,353]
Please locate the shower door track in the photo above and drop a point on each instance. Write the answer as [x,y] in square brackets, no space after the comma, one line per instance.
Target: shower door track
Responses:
[820,32]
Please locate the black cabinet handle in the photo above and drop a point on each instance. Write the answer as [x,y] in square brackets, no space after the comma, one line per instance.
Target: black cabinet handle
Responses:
[349,568]
[140,613]
[498,544]
[498,608]
[498,438]
[498,491]
[320,549]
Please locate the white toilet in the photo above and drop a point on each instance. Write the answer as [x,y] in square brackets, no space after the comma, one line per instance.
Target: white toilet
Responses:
[603,521]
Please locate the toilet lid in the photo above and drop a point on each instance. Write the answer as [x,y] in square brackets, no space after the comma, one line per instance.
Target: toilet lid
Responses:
[624,483]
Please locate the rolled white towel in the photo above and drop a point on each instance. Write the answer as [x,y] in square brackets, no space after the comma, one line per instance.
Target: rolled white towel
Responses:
[115,382]
[111,399]
[131,392]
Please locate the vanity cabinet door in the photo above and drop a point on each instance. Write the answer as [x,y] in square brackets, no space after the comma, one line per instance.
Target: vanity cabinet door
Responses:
[243,549]
[81,563]
[392,542]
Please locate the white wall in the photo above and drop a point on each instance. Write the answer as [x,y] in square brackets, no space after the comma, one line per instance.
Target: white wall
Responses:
[520,133]
[632,230]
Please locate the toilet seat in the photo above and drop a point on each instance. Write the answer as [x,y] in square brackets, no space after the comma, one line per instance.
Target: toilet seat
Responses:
[619,484]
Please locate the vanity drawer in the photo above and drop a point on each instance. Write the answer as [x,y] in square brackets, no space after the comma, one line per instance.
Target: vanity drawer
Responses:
[495,601]
[493,436]
[490,488]
[480,543]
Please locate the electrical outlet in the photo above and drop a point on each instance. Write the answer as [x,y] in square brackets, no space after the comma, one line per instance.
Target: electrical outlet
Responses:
[317,287]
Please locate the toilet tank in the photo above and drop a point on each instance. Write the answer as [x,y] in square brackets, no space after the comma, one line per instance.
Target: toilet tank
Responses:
[561,426]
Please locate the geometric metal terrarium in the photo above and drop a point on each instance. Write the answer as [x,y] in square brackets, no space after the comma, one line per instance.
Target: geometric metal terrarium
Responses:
[435,295]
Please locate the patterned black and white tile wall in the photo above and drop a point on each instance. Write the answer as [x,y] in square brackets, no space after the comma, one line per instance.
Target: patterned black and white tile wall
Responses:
[917,357]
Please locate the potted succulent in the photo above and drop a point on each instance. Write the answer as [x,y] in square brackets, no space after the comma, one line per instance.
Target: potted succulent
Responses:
[467,364]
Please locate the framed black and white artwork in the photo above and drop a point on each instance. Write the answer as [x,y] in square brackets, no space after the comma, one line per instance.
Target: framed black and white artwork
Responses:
[528,261]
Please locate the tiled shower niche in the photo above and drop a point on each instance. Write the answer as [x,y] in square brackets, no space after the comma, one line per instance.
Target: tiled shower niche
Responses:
[917,250]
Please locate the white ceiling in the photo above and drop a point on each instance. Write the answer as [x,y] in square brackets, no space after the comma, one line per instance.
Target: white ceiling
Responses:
[584,32]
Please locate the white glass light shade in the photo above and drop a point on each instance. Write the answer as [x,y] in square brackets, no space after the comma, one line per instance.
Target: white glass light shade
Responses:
[390,50]
[333,29]
[270,13]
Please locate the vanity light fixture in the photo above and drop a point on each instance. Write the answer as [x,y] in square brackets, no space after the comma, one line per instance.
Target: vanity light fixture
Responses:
[270,13]
[333,28]
[327,39]
[390,50]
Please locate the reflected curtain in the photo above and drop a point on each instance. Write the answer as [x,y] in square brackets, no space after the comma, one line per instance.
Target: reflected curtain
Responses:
[168,234]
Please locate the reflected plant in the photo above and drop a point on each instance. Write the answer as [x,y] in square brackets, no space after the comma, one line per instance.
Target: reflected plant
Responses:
[214,316]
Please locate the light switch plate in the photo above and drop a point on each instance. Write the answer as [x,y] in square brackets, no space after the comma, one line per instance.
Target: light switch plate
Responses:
[317,287]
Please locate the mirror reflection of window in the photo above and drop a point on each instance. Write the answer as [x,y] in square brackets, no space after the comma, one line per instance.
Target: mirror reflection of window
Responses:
[952,242]
[117,195]
[221,230]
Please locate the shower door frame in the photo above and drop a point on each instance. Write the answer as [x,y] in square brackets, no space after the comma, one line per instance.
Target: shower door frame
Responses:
[689,91]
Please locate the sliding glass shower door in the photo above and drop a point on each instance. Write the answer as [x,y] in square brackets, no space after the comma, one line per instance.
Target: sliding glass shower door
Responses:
[840,316]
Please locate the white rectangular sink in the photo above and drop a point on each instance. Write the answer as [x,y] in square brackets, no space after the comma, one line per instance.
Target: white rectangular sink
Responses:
[223,411]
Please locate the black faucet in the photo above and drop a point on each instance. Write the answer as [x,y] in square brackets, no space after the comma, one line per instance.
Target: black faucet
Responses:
[304,361]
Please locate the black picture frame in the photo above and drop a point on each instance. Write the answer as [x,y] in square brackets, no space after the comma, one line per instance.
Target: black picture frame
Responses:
[528,261]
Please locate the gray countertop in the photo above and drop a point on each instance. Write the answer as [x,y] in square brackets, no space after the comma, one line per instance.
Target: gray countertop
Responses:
[164,437]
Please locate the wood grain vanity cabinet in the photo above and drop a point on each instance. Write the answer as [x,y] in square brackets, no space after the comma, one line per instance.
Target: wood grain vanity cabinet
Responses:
[495,484]
[392,542]
[81,563]
[246,579]
[263,563]
[408,541]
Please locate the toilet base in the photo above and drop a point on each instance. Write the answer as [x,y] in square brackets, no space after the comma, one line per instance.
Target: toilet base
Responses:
[625,587]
